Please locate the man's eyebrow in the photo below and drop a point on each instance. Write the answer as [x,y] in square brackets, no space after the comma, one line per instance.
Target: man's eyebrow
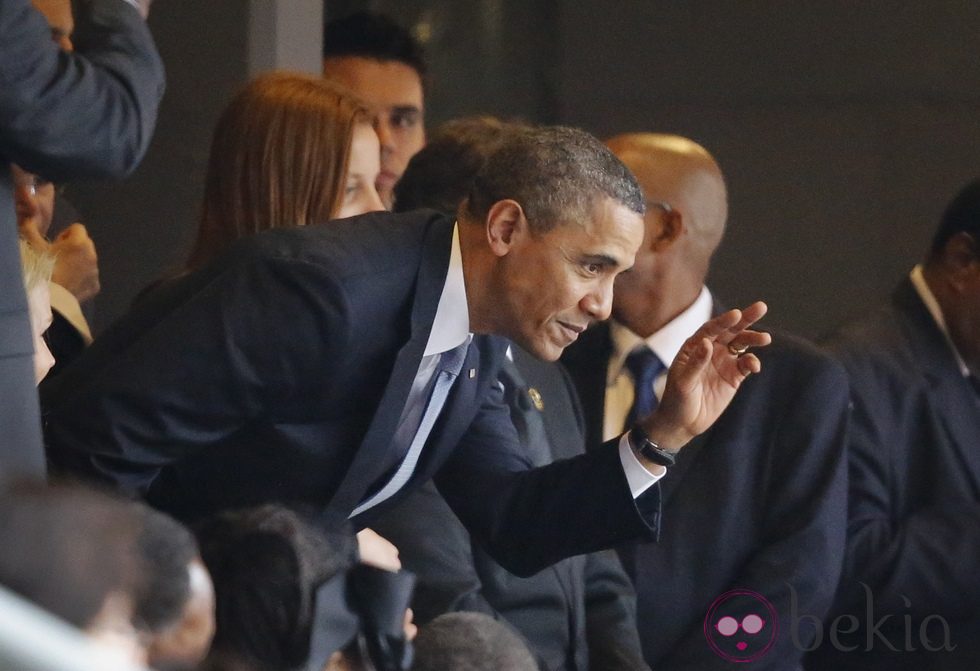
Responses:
[406,109]
[601,259]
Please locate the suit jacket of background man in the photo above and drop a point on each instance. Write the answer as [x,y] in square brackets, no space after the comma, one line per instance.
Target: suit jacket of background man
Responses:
[914,522]
[576,615]
[63,116]
[279,373]
[756,502]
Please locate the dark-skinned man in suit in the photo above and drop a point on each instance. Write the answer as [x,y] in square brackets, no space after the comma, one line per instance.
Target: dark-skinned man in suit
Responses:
[343,365]
[754,509]
[909,597]
[578,614]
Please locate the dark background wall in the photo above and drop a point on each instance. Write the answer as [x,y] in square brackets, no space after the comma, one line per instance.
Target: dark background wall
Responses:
[843,127]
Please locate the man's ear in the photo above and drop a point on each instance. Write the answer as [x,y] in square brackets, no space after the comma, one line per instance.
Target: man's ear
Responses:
[961,256]
[665,231]
[505,223]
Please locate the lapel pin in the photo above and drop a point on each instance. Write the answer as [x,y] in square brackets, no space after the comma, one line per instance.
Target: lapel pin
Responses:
[536,398]
[472,373]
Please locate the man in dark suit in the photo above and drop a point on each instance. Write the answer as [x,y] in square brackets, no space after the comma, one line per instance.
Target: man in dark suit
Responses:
[62,115]
[754,509]
[579,613]
[313,365]
[910,596]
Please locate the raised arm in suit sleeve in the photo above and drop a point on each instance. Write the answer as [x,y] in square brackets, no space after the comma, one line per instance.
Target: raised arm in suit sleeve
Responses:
[528,519]
[801,542]
[435,547]
[89,113]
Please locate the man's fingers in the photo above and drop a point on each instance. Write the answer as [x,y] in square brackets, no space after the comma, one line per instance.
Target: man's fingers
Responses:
[727,325]
[75,233]
[29,231]
[747,339]
[749,364]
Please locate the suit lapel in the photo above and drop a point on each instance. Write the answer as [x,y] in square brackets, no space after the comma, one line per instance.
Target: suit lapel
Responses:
[479,370]
[953,400]
[587,361]
[369,458]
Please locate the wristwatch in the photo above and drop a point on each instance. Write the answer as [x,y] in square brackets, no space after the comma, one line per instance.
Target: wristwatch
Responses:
[642,445]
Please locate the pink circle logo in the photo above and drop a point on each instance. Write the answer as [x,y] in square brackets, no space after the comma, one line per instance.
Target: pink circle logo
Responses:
[741,626]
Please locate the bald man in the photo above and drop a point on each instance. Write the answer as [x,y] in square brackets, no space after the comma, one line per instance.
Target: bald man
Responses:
[757,504]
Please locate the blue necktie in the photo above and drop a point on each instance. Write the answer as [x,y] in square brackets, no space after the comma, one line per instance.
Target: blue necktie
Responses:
[450,363]
[644,366]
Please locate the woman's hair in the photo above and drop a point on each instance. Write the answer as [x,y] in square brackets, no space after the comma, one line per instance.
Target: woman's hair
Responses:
[278,158]
[37,266]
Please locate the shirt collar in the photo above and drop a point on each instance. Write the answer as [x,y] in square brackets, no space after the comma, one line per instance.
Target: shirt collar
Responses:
[451,326]
[666,342]
[932,305]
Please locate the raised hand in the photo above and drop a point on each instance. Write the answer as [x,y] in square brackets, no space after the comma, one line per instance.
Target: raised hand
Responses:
[76,265]
[705,375]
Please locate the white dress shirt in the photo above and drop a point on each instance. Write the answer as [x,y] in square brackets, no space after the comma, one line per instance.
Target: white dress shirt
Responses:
[925,293]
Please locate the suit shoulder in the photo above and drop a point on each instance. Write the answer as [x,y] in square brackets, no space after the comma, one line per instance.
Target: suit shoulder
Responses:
[796,357]
[373,244]
[872,346]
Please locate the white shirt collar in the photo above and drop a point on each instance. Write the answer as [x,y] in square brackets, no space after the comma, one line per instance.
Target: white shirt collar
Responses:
[666,342]
[451,325]
[932,305]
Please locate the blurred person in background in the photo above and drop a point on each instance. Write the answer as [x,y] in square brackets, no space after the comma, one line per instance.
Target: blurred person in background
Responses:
[88,113]
[383,64]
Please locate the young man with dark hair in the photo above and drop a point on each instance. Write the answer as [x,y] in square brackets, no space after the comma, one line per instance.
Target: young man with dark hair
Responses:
[382,63]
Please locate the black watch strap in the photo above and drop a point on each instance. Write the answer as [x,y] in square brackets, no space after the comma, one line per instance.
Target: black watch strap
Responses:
[648,449]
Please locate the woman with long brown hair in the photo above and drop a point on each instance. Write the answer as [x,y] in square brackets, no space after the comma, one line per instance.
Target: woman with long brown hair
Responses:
[289,150]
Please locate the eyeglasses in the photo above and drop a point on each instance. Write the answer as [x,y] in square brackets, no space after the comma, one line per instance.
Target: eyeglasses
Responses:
[30,181]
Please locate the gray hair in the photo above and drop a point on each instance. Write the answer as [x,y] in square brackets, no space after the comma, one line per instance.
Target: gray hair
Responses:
[556,173]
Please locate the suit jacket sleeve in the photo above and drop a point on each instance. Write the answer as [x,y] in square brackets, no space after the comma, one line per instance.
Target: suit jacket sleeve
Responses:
[436,548]
[528,519]
[88,113]
[126,409]
[929,554]
[610,613]
[799,563]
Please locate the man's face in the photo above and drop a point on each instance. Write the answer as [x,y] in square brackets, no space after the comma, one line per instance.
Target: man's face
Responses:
[394,90]
[553,286]
[964,319]
[58,14]
[33,200]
